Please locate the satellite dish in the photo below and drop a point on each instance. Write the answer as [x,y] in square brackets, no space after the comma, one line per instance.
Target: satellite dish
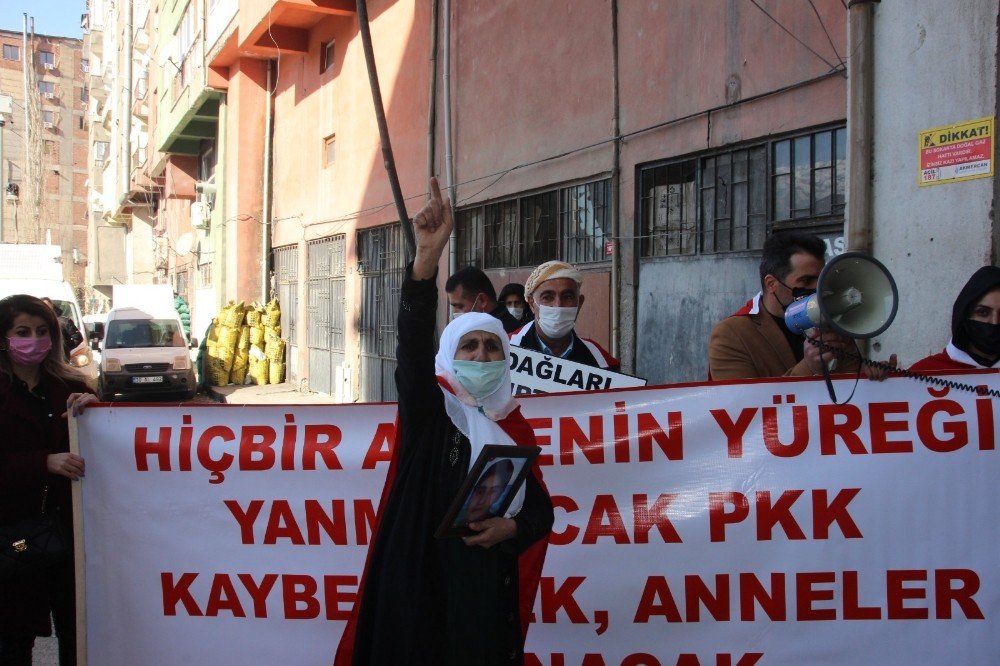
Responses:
[184,244]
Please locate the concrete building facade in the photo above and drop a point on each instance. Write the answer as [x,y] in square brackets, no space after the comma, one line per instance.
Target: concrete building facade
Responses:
[930,69]
[43,161]
[655,145]
[123,197]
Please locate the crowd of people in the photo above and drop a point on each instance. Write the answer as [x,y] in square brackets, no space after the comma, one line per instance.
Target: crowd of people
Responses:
[424,600]
[466,601]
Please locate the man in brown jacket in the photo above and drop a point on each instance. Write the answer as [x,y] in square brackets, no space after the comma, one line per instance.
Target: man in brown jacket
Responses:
[754,341]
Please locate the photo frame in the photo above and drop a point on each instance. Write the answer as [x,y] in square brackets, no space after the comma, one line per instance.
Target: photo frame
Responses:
[488,489]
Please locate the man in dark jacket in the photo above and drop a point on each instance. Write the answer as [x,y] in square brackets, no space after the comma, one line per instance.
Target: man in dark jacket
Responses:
[470,290]
[71,336]
[553,293]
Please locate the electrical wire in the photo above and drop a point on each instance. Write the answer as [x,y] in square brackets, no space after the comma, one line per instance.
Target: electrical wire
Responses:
[792,35]
[902,372]
[826,32]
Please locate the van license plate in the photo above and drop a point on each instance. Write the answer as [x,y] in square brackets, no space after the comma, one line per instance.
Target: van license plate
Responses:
[155,379]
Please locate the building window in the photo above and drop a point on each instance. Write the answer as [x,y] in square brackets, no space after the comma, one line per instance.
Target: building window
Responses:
[11,52]
[52,149]
[500,231]
[669,209]
[186,31]
[734,200]
[808,175]
[469,236]
[100,151]
[46,59]
[329,150]
[85,65]
[47,88]
[84,94]
[726,201]
[48,118]
[585,221]
[572,223]
[326,56]
[205,275]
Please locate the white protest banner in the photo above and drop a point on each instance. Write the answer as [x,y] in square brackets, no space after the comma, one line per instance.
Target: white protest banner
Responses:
[727,523]
[534,372]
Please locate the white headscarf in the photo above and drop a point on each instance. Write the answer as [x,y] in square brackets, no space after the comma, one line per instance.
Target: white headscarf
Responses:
[476,419]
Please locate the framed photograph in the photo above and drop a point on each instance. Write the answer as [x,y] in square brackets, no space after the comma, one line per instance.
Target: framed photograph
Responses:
[489,488]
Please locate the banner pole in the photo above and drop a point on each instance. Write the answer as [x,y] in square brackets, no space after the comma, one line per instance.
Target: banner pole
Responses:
[78,554]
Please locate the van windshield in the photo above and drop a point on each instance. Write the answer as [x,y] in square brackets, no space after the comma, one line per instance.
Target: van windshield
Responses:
[65,309]
[123,333]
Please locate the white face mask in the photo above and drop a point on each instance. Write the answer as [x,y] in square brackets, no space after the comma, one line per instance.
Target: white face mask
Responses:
[516,313]
[556,322]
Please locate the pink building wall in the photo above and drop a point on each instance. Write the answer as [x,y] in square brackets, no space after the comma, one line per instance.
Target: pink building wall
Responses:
[530,82]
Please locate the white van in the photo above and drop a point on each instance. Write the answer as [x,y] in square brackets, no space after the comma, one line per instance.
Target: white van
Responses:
[62,297]
[145,354]
[37,270]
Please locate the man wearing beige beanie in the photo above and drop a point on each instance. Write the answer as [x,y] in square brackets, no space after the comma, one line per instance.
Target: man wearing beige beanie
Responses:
[553,294]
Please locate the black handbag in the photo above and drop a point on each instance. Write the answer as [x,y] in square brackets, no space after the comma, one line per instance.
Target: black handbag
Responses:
[33,544]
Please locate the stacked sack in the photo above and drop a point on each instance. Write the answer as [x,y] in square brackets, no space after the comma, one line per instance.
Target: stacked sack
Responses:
[223,343]
[257,358]
[184,313]
[274,346]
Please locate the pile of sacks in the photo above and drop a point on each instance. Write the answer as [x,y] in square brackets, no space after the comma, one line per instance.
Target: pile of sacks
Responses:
[245,345]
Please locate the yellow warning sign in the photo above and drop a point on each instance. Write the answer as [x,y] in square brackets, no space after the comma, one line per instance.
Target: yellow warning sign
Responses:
[951,153]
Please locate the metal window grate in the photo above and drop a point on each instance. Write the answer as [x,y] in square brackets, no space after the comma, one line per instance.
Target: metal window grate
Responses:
[572,223]
[381,263]
[469,237]
[286,278]
[326,309]
[539,240]
[500,229]
[733,200]
[585,220]
[668,206]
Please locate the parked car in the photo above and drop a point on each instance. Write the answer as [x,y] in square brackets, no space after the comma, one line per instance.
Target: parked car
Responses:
[145,354]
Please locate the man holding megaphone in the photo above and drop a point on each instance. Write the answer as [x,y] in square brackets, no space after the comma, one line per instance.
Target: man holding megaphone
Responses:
[756,341]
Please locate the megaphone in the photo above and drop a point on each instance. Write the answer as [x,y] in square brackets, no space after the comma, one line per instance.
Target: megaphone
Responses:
[855,297]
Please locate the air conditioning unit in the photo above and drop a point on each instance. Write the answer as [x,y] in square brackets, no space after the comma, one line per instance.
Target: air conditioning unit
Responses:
[49,65]
[47,125]
[201,215]
[49,95]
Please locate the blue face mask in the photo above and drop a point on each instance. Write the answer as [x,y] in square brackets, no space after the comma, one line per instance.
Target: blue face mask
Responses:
[480,378]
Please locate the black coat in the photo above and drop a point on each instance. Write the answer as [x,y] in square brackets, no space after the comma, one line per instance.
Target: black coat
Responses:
[32,430]
[423,600]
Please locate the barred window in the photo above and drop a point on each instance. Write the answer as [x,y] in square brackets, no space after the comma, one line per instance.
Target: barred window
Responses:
[669,209]
[538,229]
[734,200]
[585,221]
[501,232]
[469,236]
[725,201]
[572,223]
